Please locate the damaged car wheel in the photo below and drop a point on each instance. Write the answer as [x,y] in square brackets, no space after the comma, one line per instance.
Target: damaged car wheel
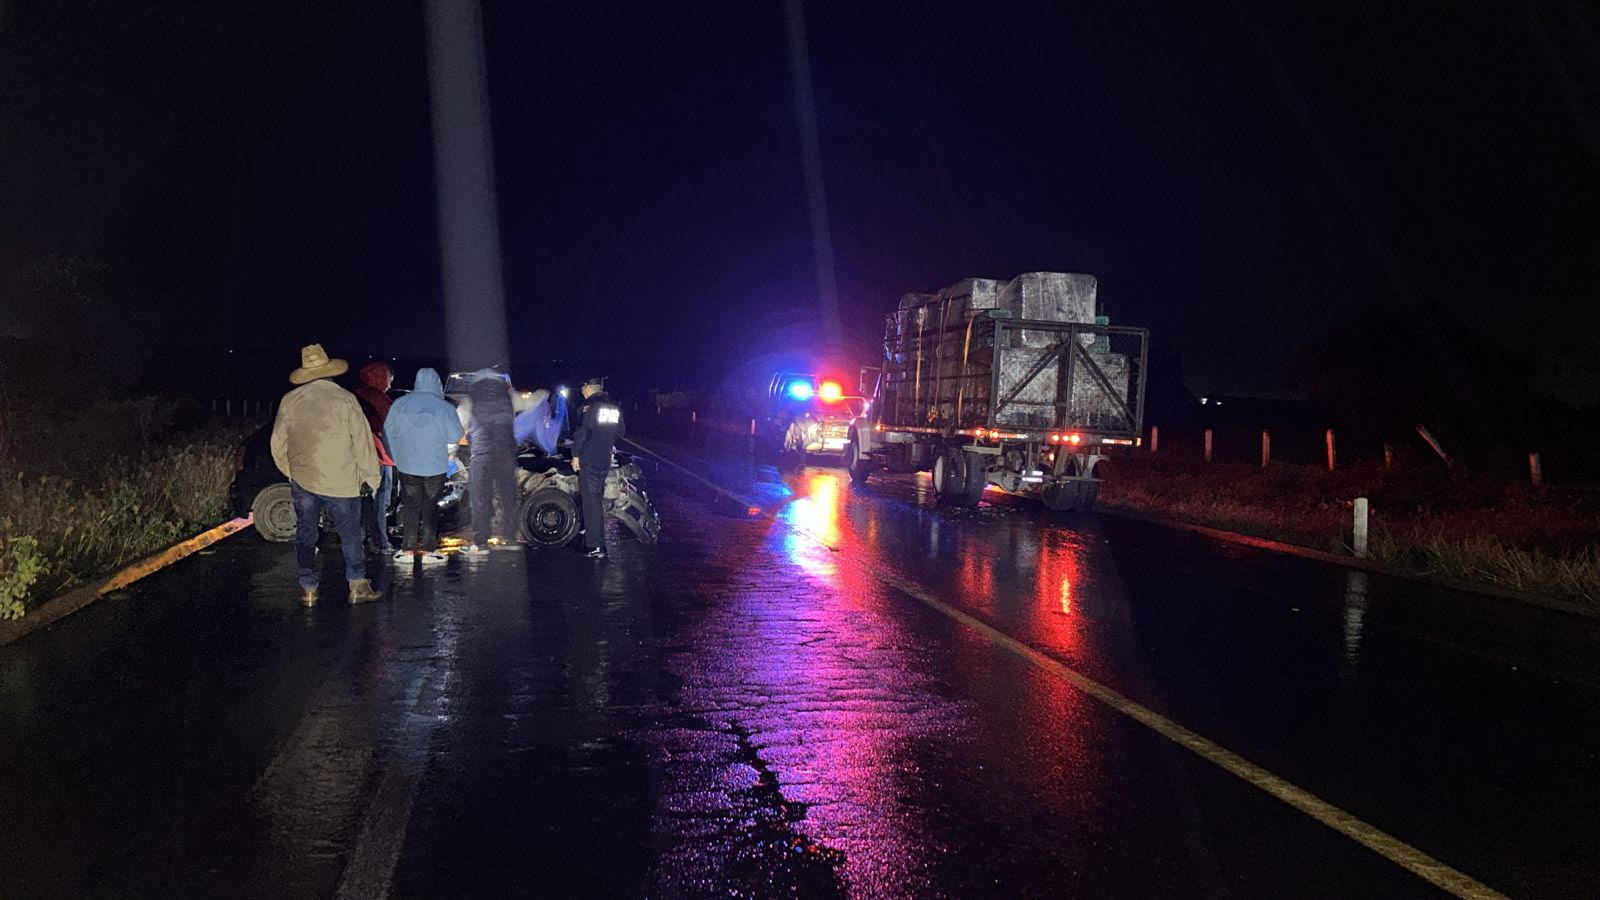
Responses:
[548,518]
[273,509]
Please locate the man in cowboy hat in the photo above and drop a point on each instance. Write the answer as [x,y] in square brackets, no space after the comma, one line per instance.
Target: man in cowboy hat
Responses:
[323,443]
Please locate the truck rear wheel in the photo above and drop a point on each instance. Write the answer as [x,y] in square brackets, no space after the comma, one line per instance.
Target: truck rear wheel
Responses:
[959,478]
[976,466]
[948,479]
[860,466]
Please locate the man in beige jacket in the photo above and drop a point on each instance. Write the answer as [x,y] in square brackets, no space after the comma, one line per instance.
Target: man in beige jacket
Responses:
[323,443]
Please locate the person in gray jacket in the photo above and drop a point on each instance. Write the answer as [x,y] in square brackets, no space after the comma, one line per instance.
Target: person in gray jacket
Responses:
[492,472]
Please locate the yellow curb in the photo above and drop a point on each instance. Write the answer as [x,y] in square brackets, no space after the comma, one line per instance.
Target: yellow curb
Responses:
[82,596]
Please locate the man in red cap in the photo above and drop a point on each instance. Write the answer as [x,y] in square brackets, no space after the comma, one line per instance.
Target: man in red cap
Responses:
[376,378]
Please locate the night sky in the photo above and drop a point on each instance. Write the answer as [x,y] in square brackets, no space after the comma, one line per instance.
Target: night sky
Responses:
[1242,177]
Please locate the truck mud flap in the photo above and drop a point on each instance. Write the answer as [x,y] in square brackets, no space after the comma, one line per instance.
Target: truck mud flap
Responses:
[1072,494]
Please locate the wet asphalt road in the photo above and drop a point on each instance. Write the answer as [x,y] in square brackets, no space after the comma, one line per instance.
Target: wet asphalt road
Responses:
[742,711]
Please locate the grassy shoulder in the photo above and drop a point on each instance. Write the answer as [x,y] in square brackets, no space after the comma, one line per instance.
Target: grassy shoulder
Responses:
[1514,536]
[113,483]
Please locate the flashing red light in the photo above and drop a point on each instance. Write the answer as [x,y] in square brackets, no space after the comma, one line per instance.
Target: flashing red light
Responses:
[1055,438]
[830,392]
[1074,439]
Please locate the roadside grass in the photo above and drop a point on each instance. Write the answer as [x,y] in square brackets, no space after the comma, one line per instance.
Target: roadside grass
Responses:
[78,502]
[1544,542]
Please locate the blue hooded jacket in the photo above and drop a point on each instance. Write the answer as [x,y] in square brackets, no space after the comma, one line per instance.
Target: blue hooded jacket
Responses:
[421,427]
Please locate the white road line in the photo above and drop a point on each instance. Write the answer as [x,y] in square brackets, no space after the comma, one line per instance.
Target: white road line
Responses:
[370,868]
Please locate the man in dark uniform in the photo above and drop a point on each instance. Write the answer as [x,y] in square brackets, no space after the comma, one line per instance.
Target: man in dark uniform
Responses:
[592,442]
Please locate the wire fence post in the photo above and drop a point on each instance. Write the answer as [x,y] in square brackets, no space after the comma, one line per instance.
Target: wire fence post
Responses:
[1155,439]
[1266,448]
[1359,537]
[1388,456]
[1535,470]
[1208,445]
[1333,457]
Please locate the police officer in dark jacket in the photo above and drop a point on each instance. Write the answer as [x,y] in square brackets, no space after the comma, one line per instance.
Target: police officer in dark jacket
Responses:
[592,442]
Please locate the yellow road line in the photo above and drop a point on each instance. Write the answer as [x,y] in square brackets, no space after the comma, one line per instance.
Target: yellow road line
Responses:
[1373,838]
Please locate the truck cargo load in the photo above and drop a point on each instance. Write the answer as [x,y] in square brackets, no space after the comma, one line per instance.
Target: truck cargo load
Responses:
[1020,382]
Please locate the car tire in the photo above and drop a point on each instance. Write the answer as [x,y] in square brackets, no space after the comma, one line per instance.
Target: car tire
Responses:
[273,511]
[548,517]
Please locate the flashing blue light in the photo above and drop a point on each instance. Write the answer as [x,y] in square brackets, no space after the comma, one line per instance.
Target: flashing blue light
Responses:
[801,390]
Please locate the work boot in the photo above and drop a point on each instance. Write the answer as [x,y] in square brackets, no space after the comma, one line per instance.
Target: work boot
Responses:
[475,549]
[308,596]
[596,553]
[361,591]
[500,543]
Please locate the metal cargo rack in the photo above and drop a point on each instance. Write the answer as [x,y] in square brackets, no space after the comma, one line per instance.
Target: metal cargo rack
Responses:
[990,376]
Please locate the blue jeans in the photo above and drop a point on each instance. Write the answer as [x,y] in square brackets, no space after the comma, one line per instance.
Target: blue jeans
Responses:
[378,527]
[346,515]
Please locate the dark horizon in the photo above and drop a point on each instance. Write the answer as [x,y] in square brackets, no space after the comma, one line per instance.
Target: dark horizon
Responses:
[1243,183]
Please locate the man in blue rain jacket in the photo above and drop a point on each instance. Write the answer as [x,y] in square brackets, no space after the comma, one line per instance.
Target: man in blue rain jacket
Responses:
[421,428]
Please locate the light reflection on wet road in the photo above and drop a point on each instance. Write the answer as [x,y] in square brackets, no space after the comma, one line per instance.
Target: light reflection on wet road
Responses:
[750,709]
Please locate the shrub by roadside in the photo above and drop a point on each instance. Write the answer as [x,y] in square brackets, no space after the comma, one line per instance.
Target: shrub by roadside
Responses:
[1544,542]
[20,566]
[119,502]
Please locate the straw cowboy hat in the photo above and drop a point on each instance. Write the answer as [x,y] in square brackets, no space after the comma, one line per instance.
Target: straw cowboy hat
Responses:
[314,364]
